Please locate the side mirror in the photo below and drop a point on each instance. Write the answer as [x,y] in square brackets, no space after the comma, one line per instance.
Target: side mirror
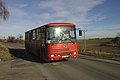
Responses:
[80,32]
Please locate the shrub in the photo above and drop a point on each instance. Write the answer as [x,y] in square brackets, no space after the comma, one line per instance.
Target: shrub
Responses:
[4,53]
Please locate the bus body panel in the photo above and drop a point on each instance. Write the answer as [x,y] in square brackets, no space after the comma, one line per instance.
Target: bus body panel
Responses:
[61,51]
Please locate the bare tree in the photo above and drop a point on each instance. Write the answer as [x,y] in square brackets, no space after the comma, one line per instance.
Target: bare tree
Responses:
[20,36]
[4,13]
[11,39]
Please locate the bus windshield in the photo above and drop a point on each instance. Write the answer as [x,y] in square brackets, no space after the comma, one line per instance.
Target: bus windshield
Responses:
[61,34]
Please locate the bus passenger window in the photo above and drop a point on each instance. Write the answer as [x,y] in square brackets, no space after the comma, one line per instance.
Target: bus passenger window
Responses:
[38,34]
[34,35]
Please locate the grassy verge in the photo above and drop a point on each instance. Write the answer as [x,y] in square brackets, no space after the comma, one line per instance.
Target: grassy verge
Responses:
[4,53]
[104,55]
[94,48]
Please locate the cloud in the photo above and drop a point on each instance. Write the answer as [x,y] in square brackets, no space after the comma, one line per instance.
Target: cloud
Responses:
[46,11]
[115,27]
[16,12]
[75,11]
[17,22]
[108,28]
[23,5]
[104,31]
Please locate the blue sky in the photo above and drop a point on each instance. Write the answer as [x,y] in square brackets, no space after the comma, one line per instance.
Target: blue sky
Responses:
[101,18]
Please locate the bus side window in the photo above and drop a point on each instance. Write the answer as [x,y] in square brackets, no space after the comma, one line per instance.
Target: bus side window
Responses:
[38,34]
[29,36]
[34,35]
[26,36]
[48,35]
[72,35]
[42,37]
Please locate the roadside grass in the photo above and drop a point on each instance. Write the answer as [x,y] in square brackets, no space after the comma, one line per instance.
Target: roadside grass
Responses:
[4,53]
[102,55]
[94,48]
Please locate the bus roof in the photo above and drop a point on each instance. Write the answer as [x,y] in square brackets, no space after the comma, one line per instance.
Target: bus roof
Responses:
[54,24]
[60,24]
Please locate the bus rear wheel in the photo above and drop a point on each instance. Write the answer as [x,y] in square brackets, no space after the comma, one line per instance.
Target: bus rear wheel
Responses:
[39,57]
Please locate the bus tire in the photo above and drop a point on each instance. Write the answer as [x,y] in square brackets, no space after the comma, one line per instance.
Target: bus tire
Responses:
[39,57]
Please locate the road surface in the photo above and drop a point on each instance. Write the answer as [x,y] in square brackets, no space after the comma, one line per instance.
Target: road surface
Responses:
[27,67]
[82,68]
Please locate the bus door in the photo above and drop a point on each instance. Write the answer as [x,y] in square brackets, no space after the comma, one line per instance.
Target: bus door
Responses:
[42,44]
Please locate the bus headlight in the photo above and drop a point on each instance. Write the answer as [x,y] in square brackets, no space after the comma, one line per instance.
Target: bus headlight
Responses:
[58,55]
[74,53]
[51,55]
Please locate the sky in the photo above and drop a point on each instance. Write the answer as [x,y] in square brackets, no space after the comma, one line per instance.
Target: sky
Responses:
[101,18]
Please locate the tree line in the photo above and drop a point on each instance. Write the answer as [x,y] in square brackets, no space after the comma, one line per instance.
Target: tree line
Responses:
[13,39]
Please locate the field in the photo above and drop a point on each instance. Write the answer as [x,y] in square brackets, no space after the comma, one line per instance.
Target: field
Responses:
[100,48]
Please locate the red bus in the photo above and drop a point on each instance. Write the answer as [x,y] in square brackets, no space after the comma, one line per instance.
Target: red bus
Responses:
[53,41]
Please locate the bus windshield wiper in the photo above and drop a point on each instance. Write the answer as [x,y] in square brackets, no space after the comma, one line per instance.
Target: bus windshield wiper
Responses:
[69,40]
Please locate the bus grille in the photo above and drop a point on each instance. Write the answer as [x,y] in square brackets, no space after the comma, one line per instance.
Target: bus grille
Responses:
[59,50]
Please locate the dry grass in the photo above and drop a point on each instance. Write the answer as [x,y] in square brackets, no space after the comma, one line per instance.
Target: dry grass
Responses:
[4,53]
[102,55]
[93,48]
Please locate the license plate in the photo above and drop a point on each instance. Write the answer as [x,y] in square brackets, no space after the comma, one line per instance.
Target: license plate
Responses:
[65,56]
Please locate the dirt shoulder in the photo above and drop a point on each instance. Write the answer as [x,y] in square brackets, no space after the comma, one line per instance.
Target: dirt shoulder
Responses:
[19,69]
[21,66]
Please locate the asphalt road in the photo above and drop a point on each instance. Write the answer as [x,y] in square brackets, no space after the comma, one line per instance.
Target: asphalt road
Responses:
[27,67]
[82,68]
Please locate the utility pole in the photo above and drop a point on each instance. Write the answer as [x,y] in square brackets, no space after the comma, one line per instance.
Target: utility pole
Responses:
[84,31]
[84,41]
